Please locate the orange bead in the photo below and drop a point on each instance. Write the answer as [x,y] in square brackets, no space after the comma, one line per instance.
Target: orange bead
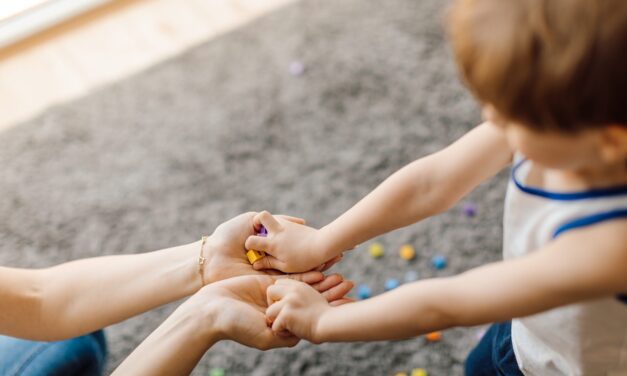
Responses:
[407,252]
[434,336]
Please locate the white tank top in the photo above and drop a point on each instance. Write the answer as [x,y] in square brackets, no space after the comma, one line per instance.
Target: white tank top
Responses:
[588,338]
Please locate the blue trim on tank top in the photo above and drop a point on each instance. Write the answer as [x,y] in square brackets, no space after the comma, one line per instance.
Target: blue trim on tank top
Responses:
[591,220]
[593,193]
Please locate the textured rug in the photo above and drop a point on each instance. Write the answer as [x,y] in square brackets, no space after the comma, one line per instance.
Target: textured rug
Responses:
[164,156]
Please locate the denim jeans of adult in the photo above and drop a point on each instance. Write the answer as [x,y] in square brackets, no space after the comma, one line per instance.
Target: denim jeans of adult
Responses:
[84,355]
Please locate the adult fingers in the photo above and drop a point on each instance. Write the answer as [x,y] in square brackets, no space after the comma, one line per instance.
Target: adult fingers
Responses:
[338,292]
[339,302]
[268,221]
[331,262]
[328,282]
[307,277]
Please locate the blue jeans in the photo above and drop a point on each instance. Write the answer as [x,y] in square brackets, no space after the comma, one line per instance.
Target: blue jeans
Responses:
[494,355]
[84,355]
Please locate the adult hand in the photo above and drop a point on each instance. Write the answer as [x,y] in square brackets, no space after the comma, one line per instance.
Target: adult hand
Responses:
[226,254]
[236,307]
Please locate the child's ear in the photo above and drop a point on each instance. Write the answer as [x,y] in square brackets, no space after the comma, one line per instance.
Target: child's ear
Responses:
[614,143]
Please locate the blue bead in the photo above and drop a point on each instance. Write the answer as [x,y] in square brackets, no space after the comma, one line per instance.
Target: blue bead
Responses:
[438,262]
[363,292]
[391,284]
[411,276]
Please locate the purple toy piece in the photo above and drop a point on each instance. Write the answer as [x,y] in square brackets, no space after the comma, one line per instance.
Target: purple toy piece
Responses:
[469,209]
[262,232]
[297,68]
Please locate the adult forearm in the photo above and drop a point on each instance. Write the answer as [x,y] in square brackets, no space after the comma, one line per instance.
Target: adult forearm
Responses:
[404,198]
[81,296]
[174,348]
[405,312]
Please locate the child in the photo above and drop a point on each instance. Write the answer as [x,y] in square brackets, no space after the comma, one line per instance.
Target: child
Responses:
[551,76]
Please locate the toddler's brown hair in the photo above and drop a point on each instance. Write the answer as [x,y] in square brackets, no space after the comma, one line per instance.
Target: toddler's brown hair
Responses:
[551,65]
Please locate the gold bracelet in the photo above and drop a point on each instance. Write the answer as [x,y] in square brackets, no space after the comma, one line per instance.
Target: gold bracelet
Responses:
[202,260]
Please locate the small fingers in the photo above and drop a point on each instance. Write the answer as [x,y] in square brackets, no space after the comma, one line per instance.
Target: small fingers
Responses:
[279,324]
[276,292]
[297,220]
[285,334]
[258,243]
[268,221]
[273,311]
[269,262]
[273,340]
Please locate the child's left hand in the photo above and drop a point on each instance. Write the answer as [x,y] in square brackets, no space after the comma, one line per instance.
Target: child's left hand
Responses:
[297,308]
[291,246]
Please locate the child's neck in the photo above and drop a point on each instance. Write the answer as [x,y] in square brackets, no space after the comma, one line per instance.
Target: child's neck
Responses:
[604,176]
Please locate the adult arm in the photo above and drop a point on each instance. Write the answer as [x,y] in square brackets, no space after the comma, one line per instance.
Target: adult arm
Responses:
[232,309]
[81,296]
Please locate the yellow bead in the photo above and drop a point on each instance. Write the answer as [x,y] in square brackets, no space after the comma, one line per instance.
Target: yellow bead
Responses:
[375,250]
[407,252]
[418,372]
[254,255]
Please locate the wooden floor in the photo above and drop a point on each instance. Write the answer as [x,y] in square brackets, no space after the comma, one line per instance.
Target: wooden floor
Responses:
[108,44]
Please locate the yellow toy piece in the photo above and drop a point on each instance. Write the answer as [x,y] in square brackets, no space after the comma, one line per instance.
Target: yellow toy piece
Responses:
[375,250]
[255,255]
[418,372]
[407,252]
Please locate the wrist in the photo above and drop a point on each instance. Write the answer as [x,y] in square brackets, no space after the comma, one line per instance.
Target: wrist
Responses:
[196,320]
[325,242]
[321,332]
[208,253]
[204,316]
[200,255]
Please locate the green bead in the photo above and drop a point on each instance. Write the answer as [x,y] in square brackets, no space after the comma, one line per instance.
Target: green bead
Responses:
[216,372]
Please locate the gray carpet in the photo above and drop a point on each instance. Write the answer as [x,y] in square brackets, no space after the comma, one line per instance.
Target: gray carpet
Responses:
[162,157]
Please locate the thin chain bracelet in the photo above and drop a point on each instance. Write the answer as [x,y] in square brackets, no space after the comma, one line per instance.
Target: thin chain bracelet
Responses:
[202,260]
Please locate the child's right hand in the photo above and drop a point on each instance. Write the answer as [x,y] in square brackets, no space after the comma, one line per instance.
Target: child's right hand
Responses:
[290,247]
[297,308]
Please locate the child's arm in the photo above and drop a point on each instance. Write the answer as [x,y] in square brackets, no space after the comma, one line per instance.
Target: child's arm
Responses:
[580,265]
[421,189]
